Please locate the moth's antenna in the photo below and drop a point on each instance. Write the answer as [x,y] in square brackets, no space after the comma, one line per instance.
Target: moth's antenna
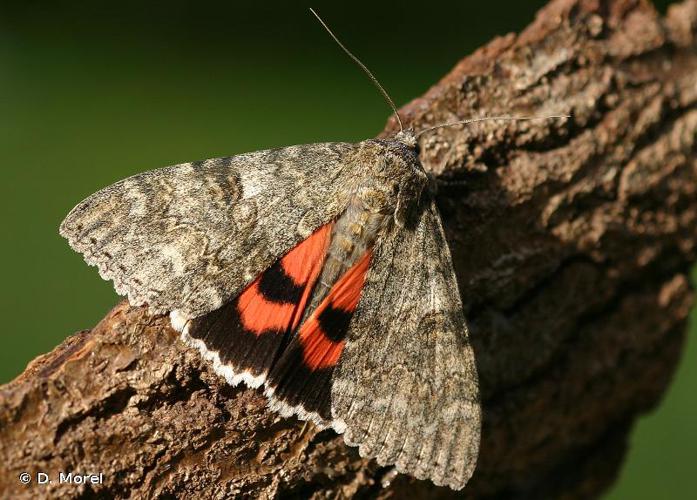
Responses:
[489,118]
[364,68]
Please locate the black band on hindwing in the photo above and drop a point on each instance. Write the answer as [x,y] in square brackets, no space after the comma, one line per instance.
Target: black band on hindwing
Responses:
[276,286]
[334,323]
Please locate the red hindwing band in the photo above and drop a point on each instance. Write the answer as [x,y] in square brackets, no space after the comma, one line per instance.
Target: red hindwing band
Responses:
[275,301]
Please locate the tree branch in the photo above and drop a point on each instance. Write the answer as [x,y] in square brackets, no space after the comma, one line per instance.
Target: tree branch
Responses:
[572,242]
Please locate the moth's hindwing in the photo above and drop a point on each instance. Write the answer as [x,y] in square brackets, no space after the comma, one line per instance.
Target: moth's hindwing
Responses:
[244,338]
[191,236]
[406,385]
[300,381]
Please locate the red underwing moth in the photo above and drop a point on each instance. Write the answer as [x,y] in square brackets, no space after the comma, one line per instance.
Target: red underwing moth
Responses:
[318,272]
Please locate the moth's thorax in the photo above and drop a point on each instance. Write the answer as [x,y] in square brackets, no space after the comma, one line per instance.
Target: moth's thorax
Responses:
[395,177]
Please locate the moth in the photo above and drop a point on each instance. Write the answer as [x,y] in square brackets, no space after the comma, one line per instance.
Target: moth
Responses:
[319,272]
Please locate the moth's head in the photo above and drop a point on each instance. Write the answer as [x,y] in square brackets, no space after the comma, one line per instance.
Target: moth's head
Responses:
[408,138]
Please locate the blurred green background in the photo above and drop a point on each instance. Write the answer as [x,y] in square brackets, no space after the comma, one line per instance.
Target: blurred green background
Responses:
[92,93]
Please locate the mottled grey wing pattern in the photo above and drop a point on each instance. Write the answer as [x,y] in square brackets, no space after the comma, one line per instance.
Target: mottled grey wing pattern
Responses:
[191,236]
[406,386]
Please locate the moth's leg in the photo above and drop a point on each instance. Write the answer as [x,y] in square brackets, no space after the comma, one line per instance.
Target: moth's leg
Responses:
[390,475]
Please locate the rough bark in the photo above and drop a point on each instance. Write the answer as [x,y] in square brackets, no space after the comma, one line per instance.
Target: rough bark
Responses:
[572,242]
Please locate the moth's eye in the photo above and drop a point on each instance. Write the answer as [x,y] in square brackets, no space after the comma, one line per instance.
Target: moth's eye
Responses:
[417,149]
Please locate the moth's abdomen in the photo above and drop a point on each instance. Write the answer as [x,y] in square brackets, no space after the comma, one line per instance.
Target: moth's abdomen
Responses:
[353,235]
